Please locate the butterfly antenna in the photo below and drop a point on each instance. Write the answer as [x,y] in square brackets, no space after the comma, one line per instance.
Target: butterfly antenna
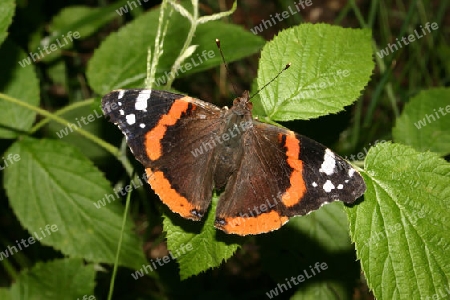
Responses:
[226,66]
[276,76]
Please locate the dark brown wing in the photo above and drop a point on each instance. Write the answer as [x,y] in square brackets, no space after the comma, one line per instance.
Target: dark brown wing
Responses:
[282,174]
[172,139]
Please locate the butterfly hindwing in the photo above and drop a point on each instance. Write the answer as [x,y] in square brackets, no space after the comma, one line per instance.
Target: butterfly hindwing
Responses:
[281,175]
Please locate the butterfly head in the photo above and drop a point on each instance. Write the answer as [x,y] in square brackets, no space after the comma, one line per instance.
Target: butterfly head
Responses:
[242,105]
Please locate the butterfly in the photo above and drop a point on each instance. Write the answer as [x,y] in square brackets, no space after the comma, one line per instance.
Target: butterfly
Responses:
[265,174]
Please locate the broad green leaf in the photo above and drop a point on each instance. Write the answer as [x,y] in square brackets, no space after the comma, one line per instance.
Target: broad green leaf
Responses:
[54,184]
[210,246]
[425,122]
[330,66]
[18,82]
[67,278]
[401,228]
[115,66]
[7,9]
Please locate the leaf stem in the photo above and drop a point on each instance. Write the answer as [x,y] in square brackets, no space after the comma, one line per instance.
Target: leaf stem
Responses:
[61,112]
[187,43]
[187,50]
[119,245]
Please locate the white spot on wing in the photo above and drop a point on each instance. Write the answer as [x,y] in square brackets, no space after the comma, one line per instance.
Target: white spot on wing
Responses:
[121,93]
[141,100]
[121,112]
[142,125]
[329,163]
[351,172]
[131,119]
[120,103]
[328,186]
[340,186]
[314,184]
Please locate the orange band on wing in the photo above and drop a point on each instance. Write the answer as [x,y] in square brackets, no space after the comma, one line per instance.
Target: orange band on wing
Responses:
[168,195]
[264,222]
[153,137]
[295,192]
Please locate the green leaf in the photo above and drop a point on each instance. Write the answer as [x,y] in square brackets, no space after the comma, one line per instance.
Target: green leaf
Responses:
[115,66]
[210,246]
[18,82]
[401,228]
[53,183]
[330,67]
[67,278]
[7,9]
[425,122]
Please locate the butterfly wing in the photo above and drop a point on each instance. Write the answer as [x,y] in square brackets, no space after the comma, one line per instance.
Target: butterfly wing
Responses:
[296,174]
[176,132]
